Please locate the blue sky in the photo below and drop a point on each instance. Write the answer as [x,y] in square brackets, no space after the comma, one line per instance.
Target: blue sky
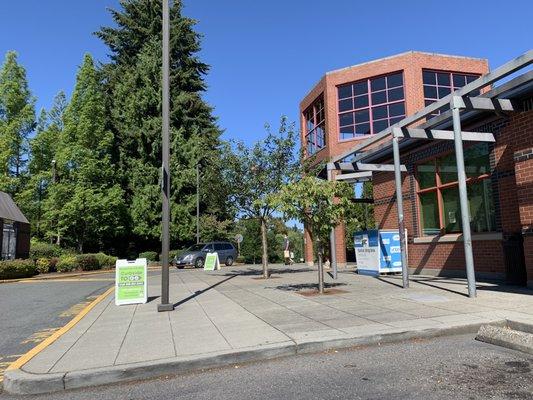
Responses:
[266,55]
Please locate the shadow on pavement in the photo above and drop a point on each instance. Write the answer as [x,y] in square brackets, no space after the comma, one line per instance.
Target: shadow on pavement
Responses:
[199,292]
[255,272]
[305,286]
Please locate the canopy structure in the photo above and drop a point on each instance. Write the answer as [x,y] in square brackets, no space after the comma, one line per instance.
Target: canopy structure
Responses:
[9,210]
[456,109]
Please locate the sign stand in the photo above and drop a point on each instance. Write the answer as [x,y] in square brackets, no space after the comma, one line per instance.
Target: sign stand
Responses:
[131,282]
[211,262]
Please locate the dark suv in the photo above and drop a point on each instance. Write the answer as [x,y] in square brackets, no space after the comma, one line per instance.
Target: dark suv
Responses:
[195,255]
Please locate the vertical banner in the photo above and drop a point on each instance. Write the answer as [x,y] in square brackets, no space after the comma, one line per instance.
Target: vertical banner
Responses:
[367,252]
[131,282]
[390,251]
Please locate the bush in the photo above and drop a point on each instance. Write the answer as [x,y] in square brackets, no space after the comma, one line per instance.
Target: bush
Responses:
[87,262]
[105,261]
[240,260]
[13,269]
[149,255]
[67,264]
[42,265]
[44,250]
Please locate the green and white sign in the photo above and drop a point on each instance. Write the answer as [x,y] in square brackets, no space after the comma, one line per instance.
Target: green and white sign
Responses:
[130,282]
[211,262]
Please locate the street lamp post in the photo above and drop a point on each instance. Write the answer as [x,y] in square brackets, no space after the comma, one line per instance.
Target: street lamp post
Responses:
[165,304]
[198,202]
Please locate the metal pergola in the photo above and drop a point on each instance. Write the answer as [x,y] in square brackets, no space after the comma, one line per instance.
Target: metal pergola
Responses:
[360,169]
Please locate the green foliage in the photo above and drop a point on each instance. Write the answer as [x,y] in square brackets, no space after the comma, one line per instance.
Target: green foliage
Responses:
[67,263]
[17,120]
[150,255]
[311,201]
[363,216]
[105,261]
[14,269]
[259,172]
[43,265]
[133,84]
[87,262]
[40,250]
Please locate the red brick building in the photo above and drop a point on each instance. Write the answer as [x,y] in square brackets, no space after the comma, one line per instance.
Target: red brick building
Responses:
[348,105]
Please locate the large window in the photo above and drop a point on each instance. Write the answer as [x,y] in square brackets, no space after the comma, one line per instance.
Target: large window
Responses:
[315,133]
[438,193]
[371,105]
[438,84]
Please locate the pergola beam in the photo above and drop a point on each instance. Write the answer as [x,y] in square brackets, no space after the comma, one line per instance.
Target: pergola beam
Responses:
[485,103]
[436,134]
[355,177]
[378,167]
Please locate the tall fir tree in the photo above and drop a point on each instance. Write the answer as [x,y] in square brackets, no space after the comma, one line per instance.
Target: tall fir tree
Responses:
[17,121]
[85,207]
[133,79]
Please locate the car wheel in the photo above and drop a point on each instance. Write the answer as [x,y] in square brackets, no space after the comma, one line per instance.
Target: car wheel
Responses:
[199,263]
[229,261]
[180,266]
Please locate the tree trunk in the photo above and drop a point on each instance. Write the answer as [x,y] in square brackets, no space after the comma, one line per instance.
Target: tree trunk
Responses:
[264,247]
[320,269]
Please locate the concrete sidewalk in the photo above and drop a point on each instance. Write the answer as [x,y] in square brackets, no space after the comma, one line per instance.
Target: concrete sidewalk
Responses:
[233,316]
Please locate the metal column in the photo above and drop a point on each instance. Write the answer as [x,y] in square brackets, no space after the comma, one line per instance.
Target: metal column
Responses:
[165,184]
[456,104]
[399,203]
[332,241]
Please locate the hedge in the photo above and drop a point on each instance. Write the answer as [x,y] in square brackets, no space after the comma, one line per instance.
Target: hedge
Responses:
[13,269]
[87,262]
[44,250]
[149,255]
[45,265]
[67,263]
[105,261]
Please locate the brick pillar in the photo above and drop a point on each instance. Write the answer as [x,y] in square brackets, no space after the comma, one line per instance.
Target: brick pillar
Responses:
[340,245]
[308,246]
[524,191]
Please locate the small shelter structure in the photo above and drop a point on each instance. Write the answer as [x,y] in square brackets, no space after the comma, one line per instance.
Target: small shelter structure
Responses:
[14,230]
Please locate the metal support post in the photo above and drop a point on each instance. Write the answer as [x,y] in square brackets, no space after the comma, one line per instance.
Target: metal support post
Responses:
[399,204]
[332,240]
[197,203]
[165,184]
[456,105]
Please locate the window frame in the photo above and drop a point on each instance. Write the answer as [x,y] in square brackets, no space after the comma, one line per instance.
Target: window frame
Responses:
[452,87]
[370,105]
[311,135]
[438,188]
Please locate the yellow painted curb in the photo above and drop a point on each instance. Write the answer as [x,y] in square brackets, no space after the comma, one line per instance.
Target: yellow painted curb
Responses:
[57,334]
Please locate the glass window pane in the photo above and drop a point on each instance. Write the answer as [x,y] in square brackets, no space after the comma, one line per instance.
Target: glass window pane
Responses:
[396,94]
[346,119]
[452,209]
[426,175]
[396,119]
[481,206]
[345,105]
[360,88]
[379,97]
[347,132]
[458,80]
[397,109]
[429,213]
[362,129]
[345,91]
[443,78]
[361,101]
[377,83]
[395,80]
[379,112]
[430,92]
[378,126]
[477,160]
[361,116]
[471,78]
[447,168]
[444,91]
[429,77]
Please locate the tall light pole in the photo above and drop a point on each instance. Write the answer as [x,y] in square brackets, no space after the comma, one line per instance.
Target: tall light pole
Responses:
[165,304]
[198,202]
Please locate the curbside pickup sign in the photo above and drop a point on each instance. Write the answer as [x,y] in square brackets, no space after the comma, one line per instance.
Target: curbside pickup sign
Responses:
[130,282]
[211,262]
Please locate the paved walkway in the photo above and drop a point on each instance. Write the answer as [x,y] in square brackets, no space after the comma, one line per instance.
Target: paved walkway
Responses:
[222,316]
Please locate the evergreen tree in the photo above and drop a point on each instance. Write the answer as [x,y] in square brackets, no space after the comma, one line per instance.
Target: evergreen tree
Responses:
[17,121]
[85,206]
[133,87]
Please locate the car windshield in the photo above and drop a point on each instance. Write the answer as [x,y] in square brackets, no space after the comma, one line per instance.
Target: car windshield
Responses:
[196,247]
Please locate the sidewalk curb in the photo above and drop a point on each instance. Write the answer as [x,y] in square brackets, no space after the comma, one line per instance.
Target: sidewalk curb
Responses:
[18,381]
